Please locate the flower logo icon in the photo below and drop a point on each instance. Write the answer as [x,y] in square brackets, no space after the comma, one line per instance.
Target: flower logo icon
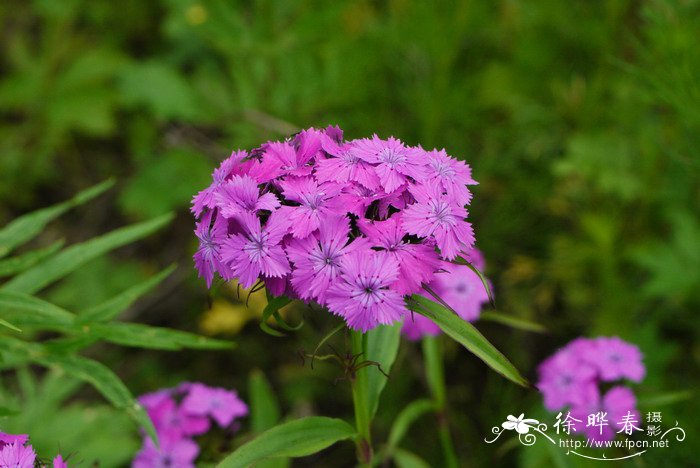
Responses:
[521,425]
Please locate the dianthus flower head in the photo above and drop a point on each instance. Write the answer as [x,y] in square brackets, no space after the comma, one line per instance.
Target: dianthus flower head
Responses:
[222,405]
[17,455]
[362,295]
[572,377]
[617,359]
[291,213]
[181,413]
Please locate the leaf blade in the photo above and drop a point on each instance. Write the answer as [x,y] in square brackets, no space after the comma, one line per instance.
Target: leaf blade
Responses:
[468,336]
[296,438]
[26,227]
[382,347]
[73,257]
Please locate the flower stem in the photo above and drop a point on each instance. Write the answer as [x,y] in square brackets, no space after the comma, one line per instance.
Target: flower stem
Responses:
[435,374]
[360,402]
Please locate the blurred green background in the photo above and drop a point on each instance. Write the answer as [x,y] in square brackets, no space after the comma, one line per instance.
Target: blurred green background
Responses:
[580,119]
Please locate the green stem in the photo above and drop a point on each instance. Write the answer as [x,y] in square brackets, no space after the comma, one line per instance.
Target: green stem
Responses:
[360,402]
[435,374]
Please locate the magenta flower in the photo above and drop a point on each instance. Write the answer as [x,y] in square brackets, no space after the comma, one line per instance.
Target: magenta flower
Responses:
[279,159]
[6,439]
[571,377]
[566,380]
[394,162]
[173,453]
[17,455]
[617,359]
[454,176]
[346,166]
[317,260]
[614,405]
[272,216]
[59,462]
[208,257]
[257,251]
[416,326]
[417,262]
[221,405]
[461,289]
[241,193]
[363,296]
[436,214]
[314,204]
[181,413]
[168,418]
[231,165]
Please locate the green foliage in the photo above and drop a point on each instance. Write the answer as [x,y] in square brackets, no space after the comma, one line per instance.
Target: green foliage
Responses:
[468,336]
[26,314]
[297,438]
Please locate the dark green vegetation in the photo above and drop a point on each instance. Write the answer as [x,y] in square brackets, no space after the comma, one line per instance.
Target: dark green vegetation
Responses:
[581,121]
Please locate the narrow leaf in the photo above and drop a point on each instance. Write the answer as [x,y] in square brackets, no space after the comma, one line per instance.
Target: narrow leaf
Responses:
[264,409]
[29,311]
[25,228]
[106,382]
[404,420]
[114,306]
[274,304]
[13,265]
[406,459]
[7,324]
[382,347]
[513,322]
[76,255]
[264,413]
[468,336]
[144,336]
[92,372]
[662,399]
[297,438]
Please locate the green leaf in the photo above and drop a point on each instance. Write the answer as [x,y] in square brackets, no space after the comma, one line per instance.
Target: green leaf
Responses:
[468,336]
[111,308]
[297,438]
[14,265]
[264,413]
[662,399]
[406,459]
[30,311]
[403,421]
[434,369]
[513,322]
[106,382]
[7,324]
[92,372]
[76,255]
[274,304]
[25,228]
[382,347]
[144,336]
[264,409]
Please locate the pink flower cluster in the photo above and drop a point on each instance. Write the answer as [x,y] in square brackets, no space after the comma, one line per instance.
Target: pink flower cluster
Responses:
[15,452]
[571,378]
[352,225]
[181,413]
[460,287]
